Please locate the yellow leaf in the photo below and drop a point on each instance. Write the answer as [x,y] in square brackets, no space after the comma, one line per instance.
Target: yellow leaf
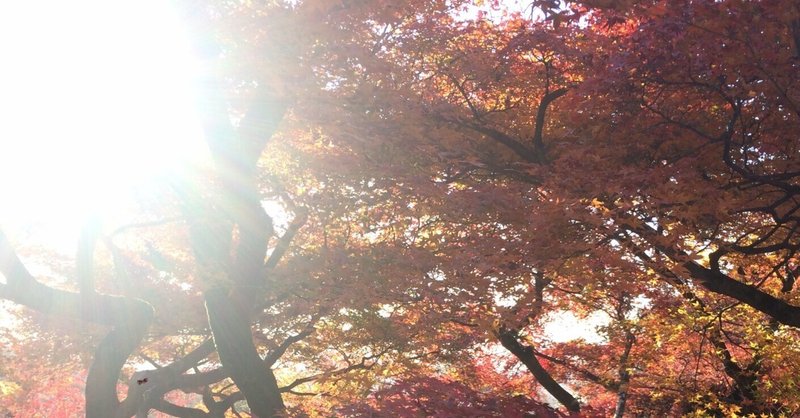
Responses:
[8,388]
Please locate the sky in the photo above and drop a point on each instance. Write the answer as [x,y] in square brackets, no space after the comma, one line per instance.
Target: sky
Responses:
[96,100]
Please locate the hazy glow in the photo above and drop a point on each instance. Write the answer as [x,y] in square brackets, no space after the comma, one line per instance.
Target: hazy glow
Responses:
[95,100]
[564,326]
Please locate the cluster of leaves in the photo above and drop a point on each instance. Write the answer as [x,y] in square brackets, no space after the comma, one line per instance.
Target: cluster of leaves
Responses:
[406,198]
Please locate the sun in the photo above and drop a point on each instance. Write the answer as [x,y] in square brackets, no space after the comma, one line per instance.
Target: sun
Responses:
[96,98]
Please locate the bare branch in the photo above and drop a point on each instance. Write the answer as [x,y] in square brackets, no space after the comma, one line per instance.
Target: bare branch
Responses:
[275,354]
[301,217]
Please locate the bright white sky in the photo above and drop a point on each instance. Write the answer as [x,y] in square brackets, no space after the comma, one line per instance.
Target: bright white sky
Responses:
[565,326]
[95,99]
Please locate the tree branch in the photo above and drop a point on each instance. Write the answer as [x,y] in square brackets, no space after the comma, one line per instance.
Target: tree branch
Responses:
[604,382]
[718,282]
[301,217]
[275,354]
[128,317]
[509,339]
[538,142]
[517,147]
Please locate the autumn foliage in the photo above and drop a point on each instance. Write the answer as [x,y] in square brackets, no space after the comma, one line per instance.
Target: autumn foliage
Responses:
[409,206]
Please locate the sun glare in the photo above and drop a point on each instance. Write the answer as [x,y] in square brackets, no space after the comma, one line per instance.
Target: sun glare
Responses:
[96,100]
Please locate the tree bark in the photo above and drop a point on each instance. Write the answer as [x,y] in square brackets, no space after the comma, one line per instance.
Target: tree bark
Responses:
[722,284]
[715,281]
[234,340]
[235,274]
[538,140]
[624,375]
[130,319]
[110,356]
[509,339]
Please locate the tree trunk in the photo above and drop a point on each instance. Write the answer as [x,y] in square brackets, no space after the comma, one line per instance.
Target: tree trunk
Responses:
[624,375]
[235,276]
[234,341]
[110,356]
[130,319]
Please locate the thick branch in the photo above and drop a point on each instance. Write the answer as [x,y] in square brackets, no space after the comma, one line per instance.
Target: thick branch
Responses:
[234,341]
[110,356]
[180,411]
[163,380]
[718,282]
[238,204]
[538,142]
[509,339]
[606,383]
[84,258]
[519,148]
[129,318]
[624,375]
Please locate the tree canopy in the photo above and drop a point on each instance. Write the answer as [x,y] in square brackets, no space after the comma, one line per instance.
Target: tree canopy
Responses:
[407,206]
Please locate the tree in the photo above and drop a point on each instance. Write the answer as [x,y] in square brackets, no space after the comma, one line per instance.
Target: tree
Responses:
[668,208]
[444,182]
[204,247]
